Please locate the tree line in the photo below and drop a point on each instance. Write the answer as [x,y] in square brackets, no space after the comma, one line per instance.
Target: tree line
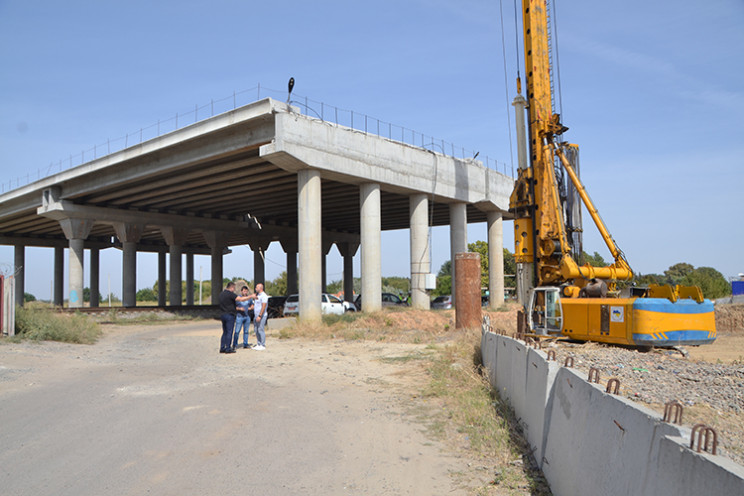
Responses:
[713,283]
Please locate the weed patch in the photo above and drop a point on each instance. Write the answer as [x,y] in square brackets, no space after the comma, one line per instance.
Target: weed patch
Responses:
[40,324]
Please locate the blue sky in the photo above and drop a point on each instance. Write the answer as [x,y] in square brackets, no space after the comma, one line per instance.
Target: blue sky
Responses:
[653,92]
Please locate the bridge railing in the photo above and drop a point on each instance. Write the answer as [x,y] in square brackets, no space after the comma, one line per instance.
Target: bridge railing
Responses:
[312,108]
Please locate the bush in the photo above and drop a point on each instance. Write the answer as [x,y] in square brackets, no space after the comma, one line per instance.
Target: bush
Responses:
[44,325]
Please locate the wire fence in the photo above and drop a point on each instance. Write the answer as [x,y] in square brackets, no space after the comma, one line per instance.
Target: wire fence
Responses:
[319,110]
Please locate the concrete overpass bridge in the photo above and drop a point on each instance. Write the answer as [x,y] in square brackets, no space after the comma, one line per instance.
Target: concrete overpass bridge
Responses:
[255,175]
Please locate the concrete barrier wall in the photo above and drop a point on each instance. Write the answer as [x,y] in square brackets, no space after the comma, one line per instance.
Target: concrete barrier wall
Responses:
[589,442]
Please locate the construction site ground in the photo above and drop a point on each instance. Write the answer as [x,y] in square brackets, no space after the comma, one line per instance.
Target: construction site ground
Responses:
[155,408]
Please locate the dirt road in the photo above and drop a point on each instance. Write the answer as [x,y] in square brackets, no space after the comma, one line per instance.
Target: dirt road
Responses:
[157,410]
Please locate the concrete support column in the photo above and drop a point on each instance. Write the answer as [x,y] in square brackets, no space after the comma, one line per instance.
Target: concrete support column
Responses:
[129,234]
[348,250]
[174,291]
[327,245]
[495,260]
[20,273]
[175,238]
[161,279]
[259,247]
[309,242]
[216,257]
[371,222]
[95,277]
[59,276]
[75,298]
[189,278]
[290,248]
[76,231]
[291,272]
[458,238]
[217,242]
[420,255]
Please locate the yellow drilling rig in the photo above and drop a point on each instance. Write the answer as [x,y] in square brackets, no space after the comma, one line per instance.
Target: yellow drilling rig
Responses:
[560,297]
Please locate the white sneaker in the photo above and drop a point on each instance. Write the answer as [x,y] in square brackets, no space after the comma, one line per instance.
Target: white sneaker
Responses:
[259,347]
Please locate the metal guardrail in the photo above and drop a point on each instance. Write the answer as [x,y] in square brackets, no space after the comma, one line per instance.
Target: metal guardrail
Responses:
[312,108]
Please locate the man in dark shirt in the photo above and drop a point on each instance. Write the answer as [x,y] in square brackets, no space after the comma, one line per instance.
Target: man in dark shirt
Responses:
[227,301]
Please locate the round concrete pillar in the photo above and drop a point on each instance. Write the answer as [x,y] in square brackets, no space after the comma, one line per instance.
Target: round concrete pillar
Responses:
[309,242]
[59,276]
[189,278]
[495,260]
[291,272]
[420,254]
[458,239]
[129,274]
[162,279]
[76,279]
[20,273]
[216,268]
[174,294]
[95,272]
[370,223]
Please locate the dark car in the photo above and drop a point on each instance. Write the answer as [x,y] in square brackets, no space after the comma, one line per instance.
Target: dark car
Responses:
[388,300]
[275,307]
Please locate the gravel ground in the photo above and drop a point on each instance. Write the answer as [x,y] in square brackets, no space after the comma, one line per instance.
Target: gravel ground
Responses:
[711,392]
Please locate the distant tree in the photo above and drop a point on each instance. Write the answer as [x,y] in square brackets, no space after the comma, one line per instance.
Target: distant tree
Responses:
[86,295]
[28,297]
[481,248]
[146,294]
[510,265]
[114,298]
[277,287]
[444,286]
[397,285]
[445,269]
[648,279]
[444,280]
[677,273]
[335,287]
[712,282]
[595,260]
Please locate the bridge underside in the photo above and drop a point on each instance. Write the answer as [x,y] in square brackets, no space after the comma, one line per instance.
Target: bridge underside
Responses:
[238,179]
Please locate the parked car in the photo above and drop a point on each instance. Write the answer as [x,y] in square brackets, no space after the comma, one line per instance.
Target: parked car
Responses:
[388,300]
[292,305]
[276,306]
[331,304]
[442,302]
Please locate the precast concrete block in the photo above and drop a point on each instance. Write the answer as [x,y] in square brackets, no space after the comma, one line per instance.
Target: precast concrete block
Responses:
[518,380]
[540,376]
[503,367]
[598,443]
[489,348]
[680,471]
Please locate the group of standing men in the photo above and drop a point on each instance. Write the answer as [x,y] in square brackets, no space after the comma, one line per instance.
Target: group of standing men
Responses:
[240,311]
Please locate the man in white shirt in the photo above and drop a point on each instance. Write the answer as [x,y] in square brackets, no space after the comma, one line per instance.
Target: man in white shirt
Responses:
[261,314]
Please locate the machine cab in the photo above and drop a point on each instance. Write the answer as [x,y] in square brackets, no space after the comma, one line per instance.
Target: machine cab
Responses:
[544,315]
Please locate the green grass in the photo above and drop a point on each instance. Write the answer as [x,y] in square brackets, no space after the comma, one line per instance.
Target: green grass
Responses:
[40,324]
[346,317]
